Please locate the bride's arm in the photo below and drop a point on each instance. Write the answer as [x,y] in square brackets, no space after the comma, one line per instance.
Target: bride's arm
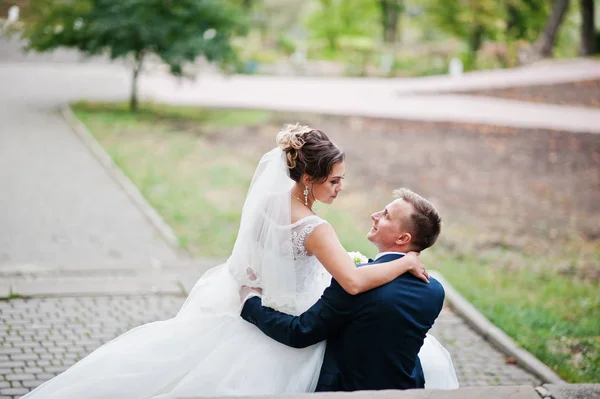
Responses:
[325,245]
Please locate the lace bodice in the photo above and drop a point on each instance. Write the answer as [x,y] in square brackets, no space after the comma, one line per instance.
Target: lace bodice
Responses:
[300,232]
[311,277]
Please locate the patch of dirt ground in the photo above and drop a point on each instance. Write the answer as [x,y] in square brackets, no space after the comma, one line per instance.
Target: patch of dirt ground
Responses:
[528,189]
[584,93]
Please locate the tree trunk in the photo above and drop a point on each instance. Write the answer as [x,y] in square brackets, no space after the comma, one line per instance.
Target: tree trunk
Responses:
[545,43]
[588,28]
[390,17]
[133,100]
[476,39]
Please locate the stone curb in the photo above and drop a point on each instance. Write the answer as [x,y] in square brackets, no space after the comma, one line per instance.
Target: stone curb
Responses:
[126,184]
[494,335]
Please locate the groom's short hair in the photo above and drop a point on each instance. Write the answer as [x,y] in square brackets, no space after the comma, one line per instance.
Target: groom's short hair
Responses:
[424,223]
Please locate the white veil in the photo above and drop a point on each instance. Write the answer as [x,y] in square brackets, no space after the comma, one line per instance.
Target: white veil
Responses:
[263,248]
[264,242]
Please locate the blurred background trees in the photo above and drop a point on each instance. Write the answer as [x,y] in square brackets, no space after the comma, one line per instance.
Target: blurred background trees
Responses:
[589,35]
[390,12]
[318,37]
[415,38]
[175,33]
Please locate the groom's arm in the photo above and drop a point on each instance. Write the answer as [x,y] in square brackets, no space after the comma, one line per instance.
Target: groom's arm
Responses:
[324,319]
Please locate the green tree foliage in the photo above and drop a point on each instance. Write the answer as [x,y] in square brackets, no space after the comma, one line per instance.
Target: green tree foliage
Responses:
[333,20]
[471,21]
[177,32]
[525,19]
[474,22]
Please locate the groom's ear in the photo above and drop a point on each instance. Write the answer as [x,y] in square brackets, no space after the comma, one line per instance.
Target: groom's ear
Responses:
[404,239]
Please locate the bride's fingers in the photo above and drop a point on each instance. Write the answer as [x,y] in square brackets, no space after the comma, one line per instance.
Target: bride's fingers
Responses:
[251,274]
[425,276]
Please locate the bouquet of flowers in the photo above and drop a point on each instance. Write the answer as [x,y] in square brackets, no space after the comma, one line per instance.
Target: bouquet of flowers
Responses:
[357,257]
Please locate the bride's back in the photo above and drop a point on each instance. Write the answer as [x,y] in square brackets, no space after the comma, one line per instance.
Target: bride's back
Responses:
[311,276]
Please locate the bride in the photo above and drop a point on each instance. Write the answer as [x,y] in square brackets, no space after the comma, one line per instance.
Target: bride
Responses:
[207,349]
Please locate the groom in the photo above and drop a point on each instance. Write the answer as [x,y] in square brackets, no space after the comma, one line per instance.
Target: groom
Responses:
[373,338]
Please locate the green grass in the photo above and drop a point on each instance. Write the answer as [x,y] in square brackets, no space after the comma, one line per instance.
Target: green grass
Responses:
[12,295]
[192,182]
[149,112]
[554,317]
[198,181]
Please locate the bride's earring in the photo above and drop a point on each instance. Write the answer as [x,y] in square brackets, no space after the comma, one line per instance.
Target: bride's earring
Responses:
[306,195]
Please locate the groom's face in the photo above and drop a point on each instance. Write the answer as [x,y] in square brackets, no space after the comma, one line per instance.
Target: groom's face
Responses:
[389,225]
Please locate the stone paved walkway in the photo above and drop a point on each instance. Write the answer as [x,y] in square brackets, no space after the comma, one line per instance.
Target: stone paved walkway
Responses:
[410,99]
[476,362]
[40,338]
[58,204]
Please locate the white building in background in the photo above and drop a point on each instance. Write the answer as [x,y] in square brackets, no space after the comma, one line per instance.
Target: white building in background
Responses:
[13,14]
[455,68]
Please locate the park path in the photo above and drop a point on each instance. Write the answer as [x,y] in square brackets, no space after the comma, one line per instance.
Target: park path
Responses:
[435,98]
[94,266]
[57,203]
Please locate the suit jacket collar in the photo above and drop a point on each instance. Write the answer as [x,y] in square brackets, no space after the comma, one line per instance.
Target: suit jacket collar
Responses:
[389,253]
[388,258]
[383,259]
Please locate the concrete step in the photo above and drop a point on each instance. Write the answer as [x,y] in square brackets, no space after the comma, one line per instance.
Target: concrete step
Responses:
[102,267]
[116,278]
[566,391]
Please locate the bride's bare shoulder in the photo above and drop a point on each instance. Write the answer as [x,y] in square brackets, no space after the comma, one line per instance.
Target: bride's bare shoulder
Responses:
[300,212]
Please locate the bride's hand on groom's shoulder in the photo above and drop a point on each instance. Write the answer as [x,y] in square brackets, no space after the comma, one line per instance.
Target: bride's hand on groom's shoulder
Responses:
[418,269]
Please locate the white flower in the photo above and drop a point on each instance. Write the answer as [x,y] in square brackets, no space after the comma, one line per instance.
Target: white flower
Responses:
[209,34]
[78,24]
[357,257]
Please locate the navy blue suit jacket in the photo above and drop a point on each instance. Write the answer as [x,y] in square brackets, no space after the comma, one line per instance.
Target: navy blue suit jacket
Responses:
[373,338]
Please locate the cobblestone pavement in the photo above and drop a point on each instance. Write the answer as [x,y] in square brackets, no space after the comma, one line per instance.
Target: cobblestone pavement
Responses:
[477,363]
[40,338]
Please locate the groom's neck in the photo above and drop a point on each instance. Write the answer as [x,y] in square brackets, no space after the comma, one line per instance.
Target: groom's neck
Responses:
[393,249]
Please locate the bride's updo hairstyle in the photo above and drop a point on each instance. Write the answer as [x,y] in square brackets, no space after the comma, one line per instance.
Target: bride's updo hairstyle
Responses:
[308,151]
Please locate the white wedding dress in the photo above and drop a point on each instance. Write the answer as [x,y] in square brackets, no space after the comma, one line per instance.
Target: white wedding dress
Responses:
[207,349]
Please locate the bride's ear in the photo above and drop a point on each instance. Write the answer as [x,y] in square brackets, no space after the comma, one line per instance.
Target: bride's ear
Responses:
[306,180]
[404,239]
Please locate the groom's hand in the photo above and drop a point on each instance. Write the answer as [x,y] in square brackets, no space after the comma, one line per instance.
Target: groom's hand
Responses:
[246,292]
